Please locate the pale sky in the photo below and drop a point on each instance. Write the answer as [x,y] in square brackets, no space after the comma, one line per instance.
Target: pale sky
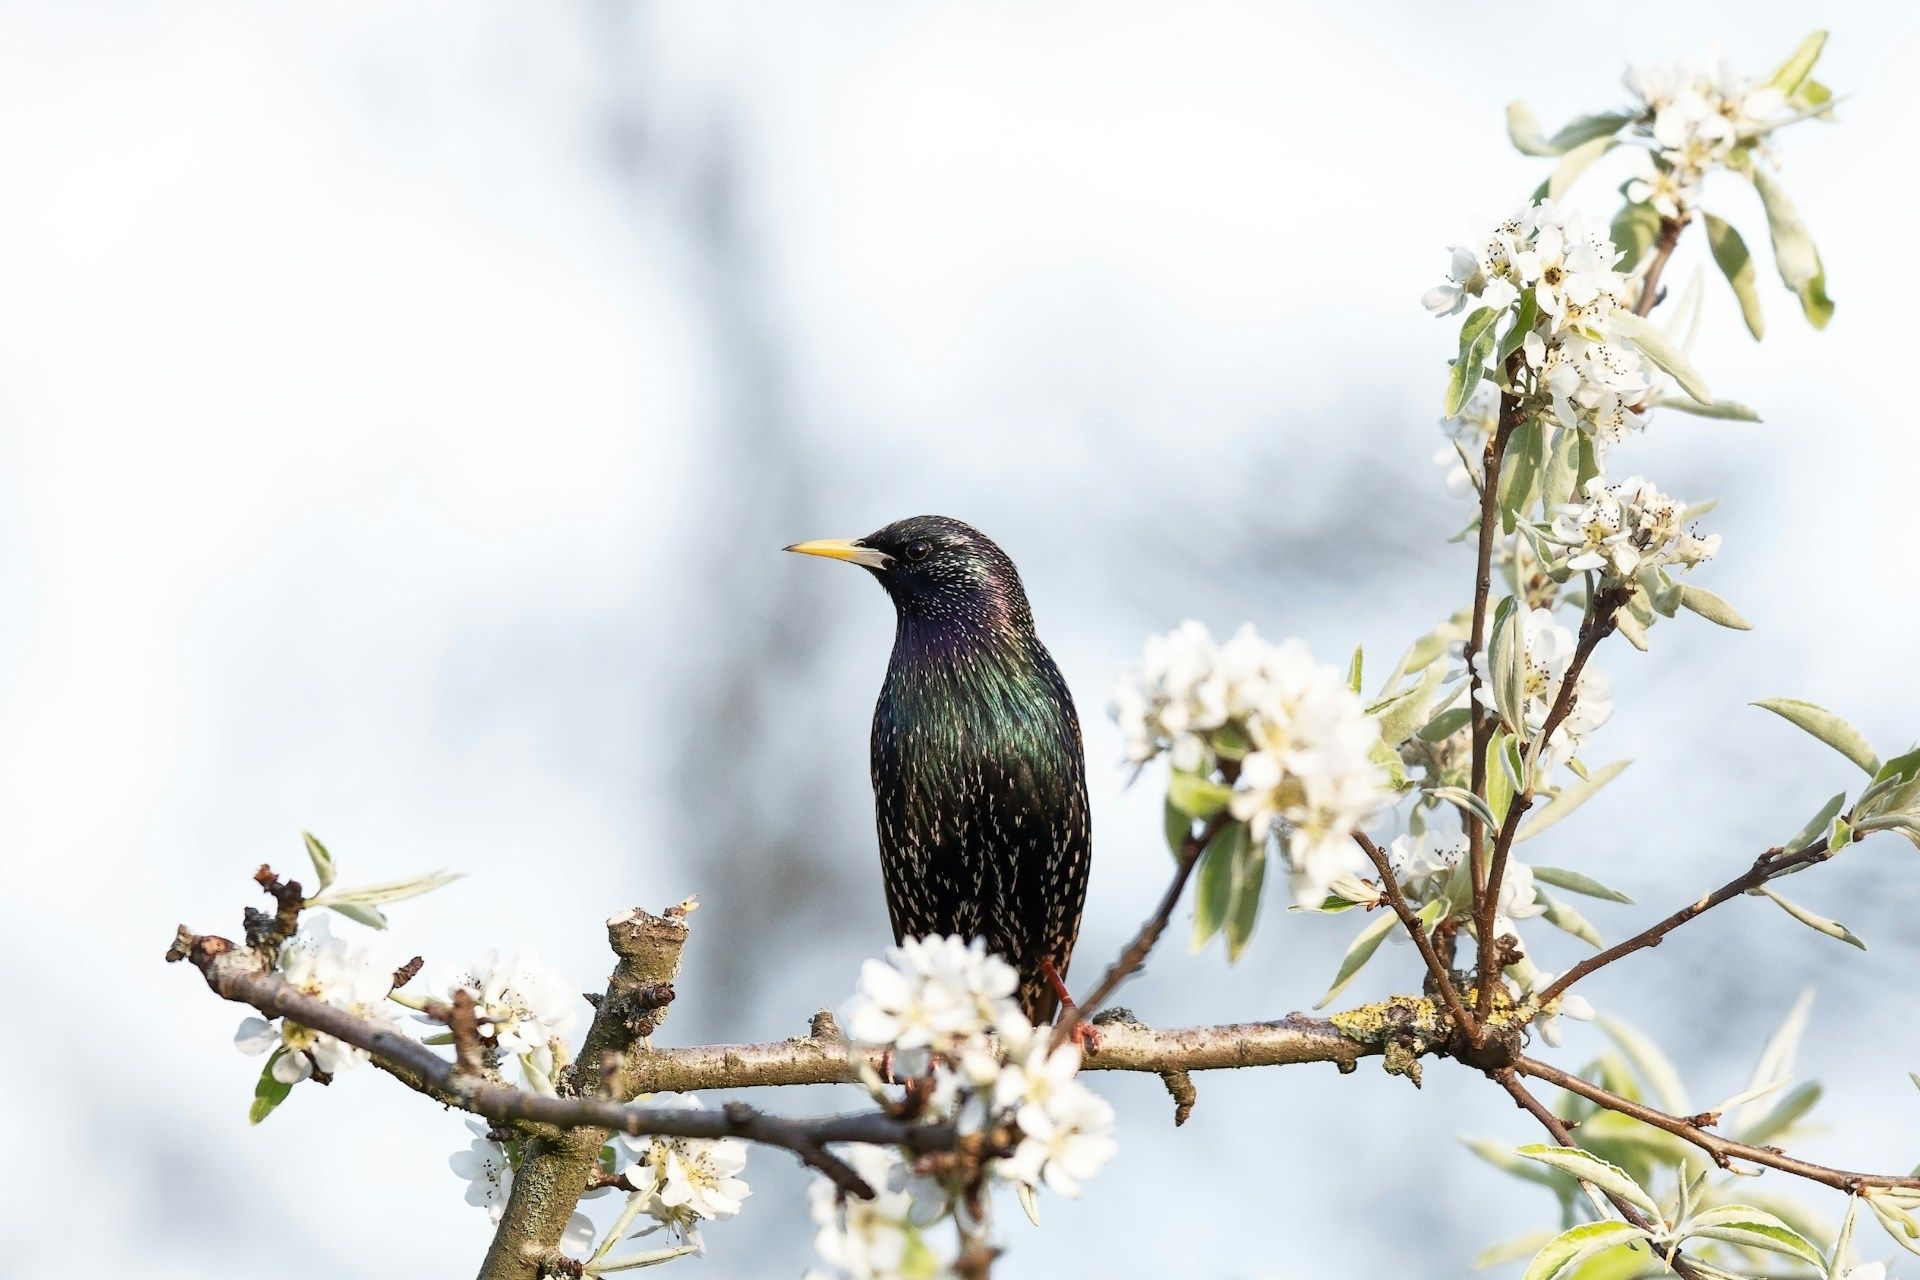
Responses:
[403,407]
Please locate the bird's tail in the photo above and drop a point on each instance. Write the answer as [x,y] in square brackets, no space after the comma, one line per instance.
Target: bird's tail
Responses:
[1038,1000]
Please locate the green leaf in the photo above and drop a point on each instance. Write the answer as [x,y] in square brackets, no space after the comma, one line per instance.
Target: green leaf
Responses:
[268,1092]
[1577,1244]
[1793,248]
[1776,1058]
[1523,321]
[1513,1250]
[1832,928]
[1571,797]
[1897,1222]
[1655,346]
[359,913]
[1712,607]
[1476,344]
[1524,130]
[1751,1228]
[1507,648]
[1213,894]
[1736,264]
[1564,918]
[1359,951]
[1725,410]
[1789,1111]
[1652,1065]
[1635,228]
[1178,828]
[1445,725]
[1501,772]
[1520,471]
[1353,668]
[1817,826]
[1827,727]
[1465,800]
[1249,879]
[1576,162]
[1501,1157]
[1405,711]
[1197,796]
[1588,1167]
[323,868]
[1574,882]
[1789,75]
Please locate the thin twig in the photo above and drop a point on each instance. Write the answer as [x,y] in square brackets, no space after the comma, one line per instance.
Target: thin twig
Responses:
[1482,725]
[1135,955]
[1436,970]
[1722,1149]
[1670,229]
[1768,865]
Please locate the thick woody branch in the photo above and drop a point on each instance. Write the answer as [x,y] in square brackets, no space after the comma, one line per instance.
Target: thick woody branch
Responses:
[1723,1150]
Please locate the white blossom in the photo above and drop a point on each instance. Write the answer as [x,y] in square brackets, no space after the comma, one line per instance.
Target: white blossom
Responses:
[316,963]
[487,1168]
[1424,864]
[686,1180]
[1547,652]
[1625,527]
[1172,698]
[1568,1005]
[1063,1142]
[521,1004]
[877,1239]
[1696,114]
[932,994]
[1467,435]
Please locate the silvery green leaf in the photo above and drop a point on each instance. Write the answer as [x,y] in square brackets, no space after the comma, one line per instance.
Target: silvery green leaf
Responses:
[1407,710]
[1520,471]
[1588,1167]
[1635,228]
[1793,249]
[1476,344]
[358,912]
[1571,1247]
[1507,650]
[1466,800]
[1570,797]
[268,1092]
[1445,725]
[1523,321]
[1632,628]
[1745,1096]
[1832,928]
[1213,888]
[1428,649]
[1784,1115]
[1751,1228]
[1776,1058]
[1353,668]
[1567,920]
[1712,607]
[1501,1157]
[1817,825]
[1522,1246]
[1574,882]
[1789,75]
[1843,1243]
[1575,162]
[1736,264]
[1839,835]
[1359,951]
[323,868]
[1897,1221]
[1249,880]
[1503,772]
[390,891]
[1827,727]
[1178,828]
[1197,796]
[1655,346]
[1653,1065]
[1524,130]
[1561,468]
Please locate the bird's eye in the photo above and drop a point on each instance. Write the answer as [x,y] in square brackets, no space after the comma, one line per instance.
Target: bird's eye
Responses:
[919,549]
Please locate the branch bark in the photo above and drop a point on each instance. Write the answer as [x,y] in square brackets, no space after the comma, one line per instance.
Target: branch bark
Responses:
[1439,978]
[1670,229]
[1481,726]
[1722,1149]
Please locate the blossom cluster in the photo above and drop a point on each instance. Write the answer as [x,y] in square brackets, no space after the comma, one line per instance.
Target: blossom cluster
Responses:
[945,1010]
[316,963]
[524,1008]
[1545,655]
[1295,741]
[1626,527]
[1551,269]
[1695,114]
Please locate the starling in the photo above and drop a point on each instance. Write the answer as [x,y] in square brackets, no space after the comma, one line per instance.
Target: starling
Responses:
[979,776]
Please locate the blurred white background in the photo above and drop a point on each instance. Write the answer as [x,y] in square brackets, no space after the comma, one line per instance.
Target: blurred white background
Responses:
[403,407]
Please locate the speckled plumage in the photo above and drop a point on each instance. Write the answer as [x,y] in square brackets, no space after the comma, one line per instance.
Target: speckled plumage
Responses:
[979,775]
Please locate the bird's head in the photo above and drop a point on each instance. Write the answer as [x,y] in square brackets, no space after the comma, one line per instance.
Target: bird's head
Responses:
[936,569]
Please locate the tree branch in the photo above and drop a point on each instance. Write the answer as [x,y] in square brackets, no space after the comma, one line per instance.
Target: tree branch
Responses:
[1772,863]
[1135,954]
[1723,1150]
[1439,978]
[1482,727]
[1670,229]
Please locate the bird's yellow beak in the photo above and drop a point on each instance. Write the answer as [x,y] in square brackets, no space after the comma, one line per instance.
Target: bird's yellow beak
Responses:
[843,549]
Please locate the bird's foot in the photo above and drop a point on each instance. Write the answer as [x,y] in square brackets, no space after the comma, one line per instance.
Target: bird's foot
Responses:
[1085,1036]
